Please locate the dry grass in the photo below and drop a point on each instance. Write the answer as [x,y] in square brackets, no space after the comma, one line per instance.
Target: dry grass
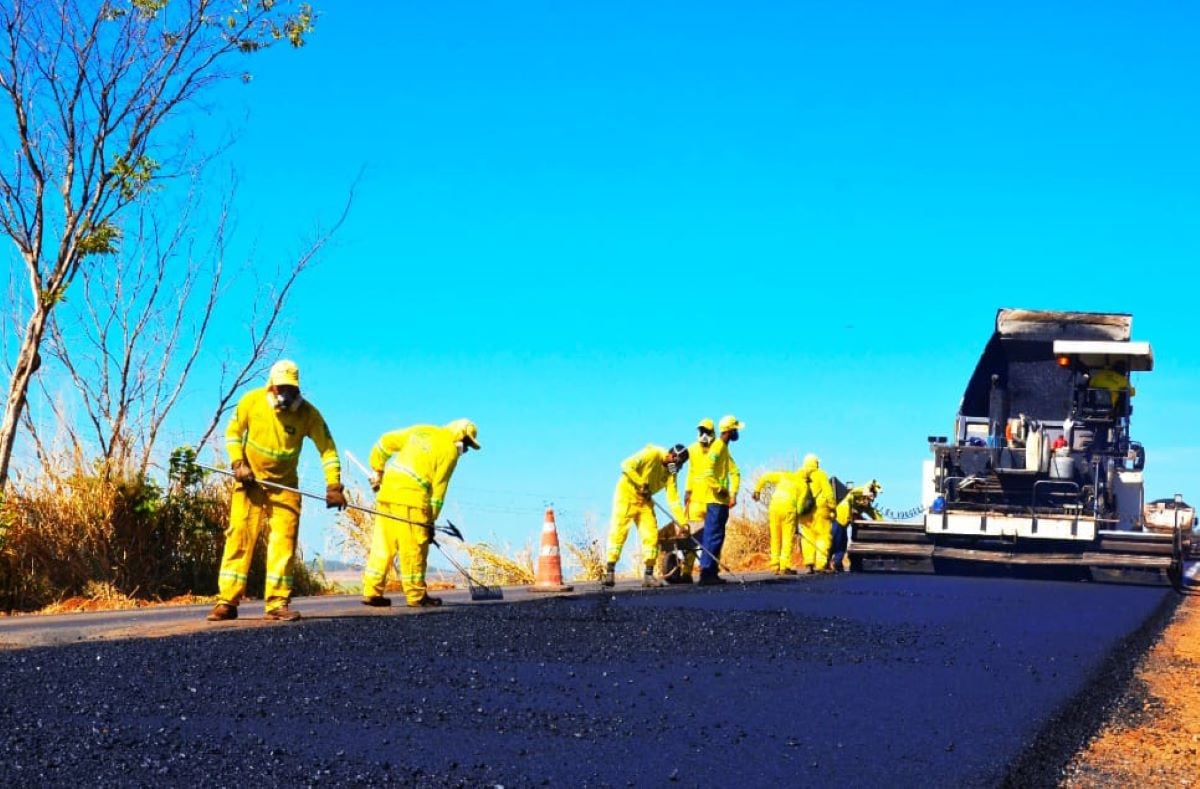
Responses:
[352,529]
[585,549]
[103,536]
[495,567]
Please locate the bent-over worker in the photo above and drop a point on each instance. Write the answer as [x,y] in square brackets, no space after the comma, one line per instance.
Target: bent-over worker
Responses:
[642,475]
[411,471]
[816,526]
[858,503]
[782,514]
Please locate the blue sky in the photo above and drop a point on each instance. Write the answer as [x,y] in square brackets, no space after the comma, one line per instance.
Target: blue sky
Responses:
[585,226]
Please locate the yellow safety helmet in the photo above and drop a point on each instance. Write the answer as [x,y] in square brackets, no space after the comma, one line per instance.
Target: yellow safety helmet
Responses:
[706,424]
[811,461]
[464,430]
[284,373]
[729,422]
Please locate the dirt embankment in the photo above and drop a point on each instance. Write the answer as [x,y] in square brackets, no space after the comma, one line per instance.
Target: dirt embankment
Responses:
[1153,737]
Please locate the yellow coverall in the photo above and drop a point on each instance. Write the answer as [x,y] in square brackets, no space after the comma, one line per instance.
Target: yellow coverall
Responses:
[645,471]
[719,478]
[853,506]
[269,441]
[816,528]
[1111,380]
[415,465]
[693,503]
[782,515]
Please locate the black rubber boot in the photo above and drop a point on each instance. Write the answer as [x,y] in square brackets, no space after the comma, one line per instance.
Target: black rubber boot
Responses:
[610,575]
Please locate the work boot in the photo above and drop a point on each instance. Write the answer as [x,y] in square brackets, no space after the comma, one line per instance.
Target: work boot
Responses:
[649,581]
[377,601]
[282,614]
[808,569]
[787,571]
[428,601]
[610,575]
[711,580]
[222,612]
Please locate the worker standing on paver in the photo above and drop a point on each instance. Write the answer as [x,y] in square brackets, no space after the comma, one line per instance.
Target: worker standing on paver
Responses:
[411,470]
[263,440]
[717,485]
[816,518]
[643,475]
[782,515]
[858,502]
[694,505]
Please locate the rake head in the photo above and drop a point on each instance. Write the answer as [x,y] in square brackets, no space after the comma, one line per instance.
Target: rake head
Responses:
[484,592]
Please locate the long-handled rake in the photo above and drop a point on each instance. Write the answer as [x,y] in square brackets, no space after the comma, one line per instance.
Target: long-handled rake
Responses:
[698,544]
[478,591]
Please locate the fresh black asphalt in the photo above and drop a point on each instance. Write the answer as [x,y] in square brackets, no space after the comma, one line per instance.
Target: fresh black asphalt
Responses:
[857,680]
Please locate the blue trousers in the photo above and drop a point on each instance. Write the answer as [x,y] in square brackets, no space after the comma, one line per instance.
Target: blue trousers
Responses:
[837,548]
[715,518]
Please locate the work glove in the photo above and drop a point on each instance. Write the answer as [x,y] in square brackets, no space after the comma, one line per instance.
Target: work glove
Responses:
[754,495]
[243,473]
[335,497]
[376,480]
[644,491]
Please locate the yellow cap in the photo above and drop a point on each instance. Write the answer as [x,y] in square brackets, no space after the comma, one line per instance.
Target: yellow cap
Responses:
[706,424]
[284,373]
[464,430]
[730,422]
[811,461]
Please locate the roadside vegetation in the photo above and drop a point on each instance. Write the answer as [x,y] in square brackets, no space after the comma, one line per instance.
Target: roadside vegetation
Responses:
[112,537]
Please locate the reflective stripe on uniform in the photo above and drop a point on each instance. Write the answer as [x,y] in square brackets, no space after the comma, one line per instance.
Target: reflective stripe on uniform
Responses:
[276,454]
[425,485]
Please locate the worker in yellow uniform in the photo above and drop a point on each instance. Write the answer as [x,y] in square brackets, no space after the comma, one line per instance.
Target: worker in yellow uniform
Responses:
[782,515]
[858,503]
[816,521]
[694,505]
[1113,381]
[717,486]
[642,475]
[411,470]
[263,440]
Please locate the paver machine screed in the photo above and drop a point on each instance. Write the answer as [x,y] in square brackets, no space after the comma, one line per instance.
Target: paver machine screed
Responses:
[1042,471]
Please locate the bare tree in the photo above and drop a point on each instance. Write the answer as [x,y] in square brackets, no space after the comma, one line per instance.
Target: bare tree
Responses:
[92,86]
[130,344]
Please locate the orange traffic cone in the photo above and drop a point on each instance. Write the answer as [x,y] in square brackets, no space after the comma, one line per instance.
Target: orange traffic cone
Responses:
[549,573]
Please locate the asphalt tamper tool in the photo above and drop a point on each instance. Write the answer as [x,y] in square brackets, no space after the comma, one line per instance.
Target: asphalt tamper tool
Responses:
[478,591]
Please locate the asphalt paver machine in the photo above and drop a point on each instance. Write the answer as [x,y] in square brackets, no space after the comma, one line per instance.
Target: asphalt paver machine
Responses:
[1042,470]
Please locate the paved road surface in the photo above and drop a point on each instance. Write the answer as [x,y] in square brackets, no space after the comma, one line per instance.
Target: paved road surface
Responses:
[860,680]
